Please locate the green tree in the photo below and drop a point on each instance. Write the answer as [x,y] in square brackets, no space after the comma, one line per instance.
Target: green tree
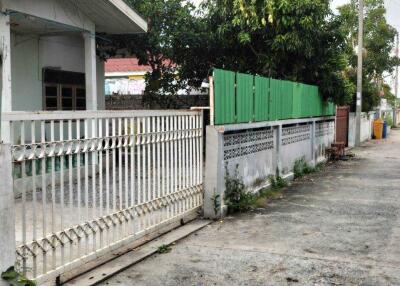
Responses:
[174,35]
[285,39]
[379,39]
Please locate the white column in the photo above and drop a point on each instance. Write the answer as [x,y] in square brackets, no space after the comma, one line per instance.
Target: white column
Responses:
[214,184]
[7,220]
[313,144]
[90,71]
[5,51]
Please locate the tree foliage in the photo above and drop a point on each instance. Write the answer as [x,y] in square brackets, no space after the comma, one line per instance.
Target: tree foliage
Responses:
[284,39]
[379,39]
[174,36]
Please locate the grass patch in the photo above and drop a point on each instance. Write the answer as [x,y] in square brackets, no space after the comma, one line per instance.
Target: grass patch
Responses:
[277,182]
[164,249]
[302,168]
[238,199]
[265,196]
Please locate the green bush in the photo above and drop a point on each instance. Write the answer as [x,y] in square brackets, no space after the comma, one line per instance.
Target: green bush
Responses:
[388,119]
[237,198]
[301,168]
[14,278]
[277,182]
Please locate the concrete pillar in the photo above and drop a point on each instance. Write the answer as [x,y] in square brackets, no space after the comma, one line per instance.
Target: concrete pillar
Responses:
[279,149]
[313,144]
[7,220]
[6,97]
[214,184]
[101,99]
[90,71]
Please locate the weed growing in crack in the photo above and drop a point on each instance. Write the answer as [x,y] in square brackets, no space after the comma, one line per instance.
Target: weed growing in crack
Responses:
[217,202]
[14,278]
[277,182]
[164,249]
[302,168]
[237,198]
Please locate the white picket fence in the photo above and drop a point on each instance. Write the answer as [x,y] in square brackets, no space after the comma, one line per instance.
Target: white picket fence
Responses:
[85,182]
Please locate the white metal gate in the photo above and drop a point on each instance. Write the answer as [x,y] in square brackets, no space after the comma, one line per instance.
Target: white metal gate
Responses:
[87,182]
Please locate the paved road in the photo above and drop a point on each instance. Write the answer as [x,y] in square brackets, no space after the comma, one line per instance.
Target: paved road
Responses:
[338,227]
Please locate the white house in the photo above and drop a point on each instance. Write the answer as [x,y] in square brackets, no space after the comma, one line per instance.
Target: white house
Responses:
[48,52]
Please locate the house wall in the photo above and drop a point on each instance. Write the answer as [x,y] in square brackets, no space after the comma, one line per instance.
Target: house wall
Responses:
[31,53]
[26,78]
[125,86]
[366,127]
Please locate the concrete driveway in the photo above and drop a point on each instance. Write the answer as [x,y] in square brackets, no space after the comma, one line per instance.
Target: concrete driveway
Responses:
[337,227]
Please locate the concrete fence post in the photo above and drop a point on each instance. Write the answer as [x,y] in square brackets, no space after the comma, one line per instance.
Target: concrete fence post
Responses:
[214,185]
[279,148]
[7,211]
[313,144]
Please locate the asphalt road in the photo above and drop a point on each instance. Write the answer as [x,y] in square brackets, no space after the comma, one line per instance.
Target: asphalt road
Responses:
[337,227]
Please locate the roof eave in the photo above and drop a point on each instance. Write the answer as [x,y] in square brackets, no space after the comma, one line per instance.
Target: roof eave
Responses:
[130,13]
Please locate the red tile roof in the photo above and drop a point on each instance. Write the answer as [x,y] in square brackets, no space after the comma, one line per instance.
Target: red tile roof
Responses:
[125,65]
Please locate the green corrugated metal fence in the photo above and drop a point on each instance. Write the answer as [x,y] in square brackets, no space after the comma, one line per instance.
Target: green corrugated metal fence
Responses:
[261,98]
[241,98]
[224,97]
[244,98]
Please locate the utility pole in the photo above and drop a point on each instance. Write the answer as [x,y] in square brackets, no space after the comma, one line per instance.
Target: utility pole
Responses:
[359,71]
[396,83]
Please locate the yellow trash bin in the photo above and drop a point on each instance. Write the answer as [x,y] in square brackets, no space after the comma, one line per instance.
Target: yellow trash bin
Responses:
[378,128]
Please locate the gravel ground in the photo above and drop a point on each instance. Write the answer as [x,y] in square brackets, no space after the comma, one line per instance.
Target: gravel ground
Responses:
[337,227]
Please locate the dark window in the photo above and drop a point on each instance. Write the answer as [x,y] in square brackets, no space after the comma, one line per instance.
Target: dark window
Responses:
[63,90]
[67,98]
[80,99]
[51,92]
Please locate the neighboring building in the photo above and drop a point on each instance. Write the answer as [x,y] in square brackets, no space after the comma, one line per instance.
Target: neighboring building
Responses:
[125,76]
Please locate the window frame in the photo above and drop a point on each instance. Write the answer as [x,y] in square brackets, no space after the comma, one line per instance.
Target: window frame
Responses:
[59,87]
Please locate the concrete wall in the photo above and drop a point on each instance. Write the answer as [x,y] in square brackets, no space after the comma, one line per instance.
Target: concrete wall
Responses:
[255,151]
[397,116]
[31,53]
[367,120]
[7,222]
[296,143]
[125,86]
[252,152]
